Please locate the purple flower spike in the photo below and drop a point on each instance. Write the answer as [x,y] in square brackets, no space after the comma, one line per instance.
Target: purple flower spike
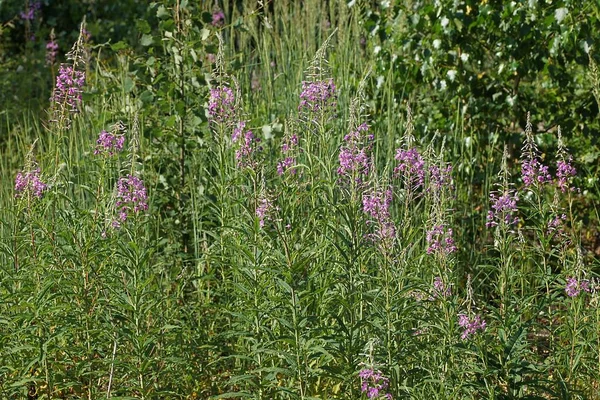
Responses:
[355,158]
[29,182]
[51,52]
[69,86]
[440,240]
[374,384]
[470,326]
[221,104]
[504,208]
[317,96]
[564,172]
[131,198]
[411,166]
[109,144]
[575,286]
[218,18]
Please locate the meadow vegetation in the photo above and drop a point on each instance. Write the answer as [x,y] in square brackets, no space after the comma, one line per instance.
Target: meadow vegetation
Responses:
[299,200]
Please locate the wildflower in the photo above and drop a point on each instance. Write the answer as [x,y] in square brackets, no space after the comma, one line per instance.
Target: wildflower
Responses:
[264,210]
[354,158]
[286,164]
[51,52]
[440,289]
[29,13]
[470,326]
[249,147]
[109,144]
[440,177]
[411,166]
[440,240]
[317,96]
[221,104]
[29,182]
[503,209]
[564,171]
[575,286]
[376,205]
[374,384]
[218,18]
[556,224]
[533,171]
[131,198]
[238,130]
[290,142]
[69,86]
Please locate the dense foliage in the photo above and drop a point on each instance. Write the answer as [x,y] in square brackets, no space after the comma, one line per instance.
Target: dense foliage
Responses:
[299,200]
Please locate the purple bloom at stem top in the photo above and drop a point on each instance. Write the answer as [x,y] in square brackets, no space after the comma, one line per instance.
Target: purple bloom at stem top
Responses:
[264,210]
[317,96]
[290,142]
[376,204]
[218,18]
[411,166]
[248,146]
[354,158]
[470,326]
[564,172]
[109,144]
[69,86]
[374,384]
[533,172]
[29,13]
[221,104]
[440,289]
[504,208]
[29,182]
[131,198]
[440,240]
[440,176]
[51,52]
[575,286]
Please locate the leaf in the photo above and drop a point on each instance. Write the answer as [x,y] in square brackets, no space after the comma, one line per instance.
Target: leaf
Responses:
[146,40]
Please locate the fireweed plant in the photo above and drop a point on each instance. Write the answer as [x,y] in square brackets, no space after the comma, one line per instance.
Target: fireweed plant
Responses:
[329,240]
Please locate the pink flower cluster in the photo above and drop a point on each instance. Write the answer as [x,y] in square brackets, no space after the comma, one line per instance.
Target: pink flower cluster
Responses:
[218,18]
[504,209]
[575,286]
[264,210]
[376,205]
[440,289]
[69,86]
[534,172]
[470,326]
[290,142]
[440,240]
[221,104]
[411,166]
[374,384]
[51,52]
[248,147]
[354,158]
[564,172]
[131,198]
[440,176]
[109,144]
[317,96]
[29,182]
